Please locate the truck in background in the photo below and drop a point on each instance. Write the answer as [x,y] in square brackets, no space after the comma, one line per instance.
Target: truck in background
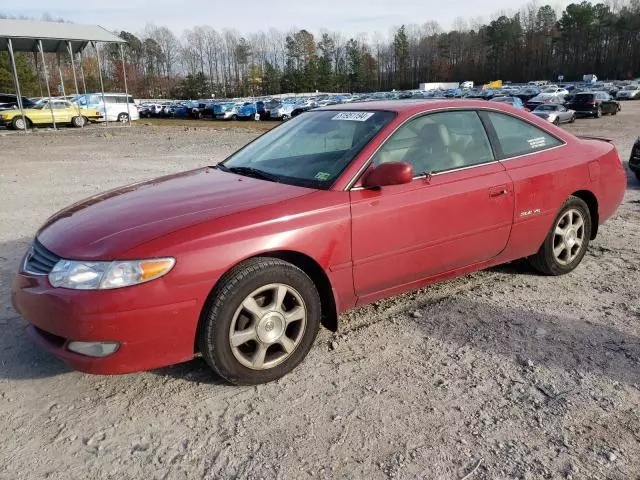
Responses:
[439,86]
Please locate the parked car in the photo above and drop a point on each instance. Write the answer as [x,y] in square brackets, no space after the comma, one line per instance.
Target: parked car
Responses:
[555,90]
[593,104]
[630,92]
[302,107]
[9,101]
[248,111]
[337,208]
[116,109]
[282,112]
[225,111]
[515,102]
[555,113]
[526,94]
[634,160]
[64,113]
[545,97]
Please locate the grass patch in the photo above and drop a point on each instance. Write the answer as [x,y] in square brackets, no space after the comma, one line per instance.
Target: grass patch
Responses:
[206,123]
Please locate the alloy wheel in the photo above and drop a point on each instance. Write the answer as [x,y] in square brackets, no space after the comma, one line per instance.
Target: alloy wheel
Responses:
[268,326]
[568,237]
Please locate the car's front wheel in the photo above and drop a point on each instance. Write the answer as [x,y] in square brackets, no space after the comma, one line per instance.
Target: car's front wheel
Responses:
[261,322]
[567,242]
[19,123]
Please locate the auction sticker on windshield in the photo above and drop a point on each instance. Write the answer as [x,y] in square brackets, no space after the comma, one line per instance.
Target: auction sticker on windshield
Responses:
[354,116]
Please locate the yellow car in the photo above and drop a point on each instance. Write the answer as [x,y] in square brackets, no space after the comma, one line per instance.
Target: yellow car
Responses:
[64,113]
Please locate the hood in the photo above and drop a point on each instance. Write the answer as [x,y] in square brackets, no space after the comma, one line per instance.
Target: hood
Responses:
[110,224]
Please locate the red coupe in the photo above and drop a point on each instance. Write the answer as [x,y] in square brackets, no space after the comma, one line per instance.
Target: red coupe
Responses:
[340,207]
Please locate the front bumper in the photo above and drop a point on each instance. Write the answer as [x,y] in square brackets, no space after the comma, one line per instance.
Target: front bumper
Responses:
[153,327]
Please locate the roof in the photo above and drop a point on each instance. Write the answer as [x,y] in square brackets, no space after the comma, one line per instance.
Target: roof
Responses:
[24,35]
[414,105]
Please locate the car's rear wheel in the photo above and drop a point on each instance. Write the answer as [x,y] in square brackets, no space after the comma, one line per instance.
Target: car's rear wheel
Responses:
[573,119]
[556,121]
[261,322]
[567,242]
[599,112]
[123,118]
[20,123]
[285,117]
[78,121]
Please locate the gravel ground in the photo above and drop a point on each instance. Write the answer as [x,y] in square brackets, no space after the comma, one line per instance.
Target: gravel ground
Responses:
[521,376]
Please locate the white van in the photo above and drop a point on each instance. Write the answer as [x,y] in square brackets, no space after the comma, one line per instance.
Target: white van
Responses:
[116,110]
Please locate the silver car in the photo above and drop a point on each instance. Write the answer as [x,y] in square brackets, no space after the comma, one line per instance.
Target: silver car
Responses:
[555,113]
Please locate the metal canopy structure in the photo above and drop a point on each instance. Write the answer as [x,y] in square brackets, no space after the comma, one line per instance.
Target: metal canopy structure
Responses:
[59,38]
[25,34]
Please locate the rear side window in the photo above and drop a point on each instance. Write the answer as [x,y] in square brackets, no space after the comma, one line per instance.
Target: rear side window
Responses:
[585,97]
[517,137]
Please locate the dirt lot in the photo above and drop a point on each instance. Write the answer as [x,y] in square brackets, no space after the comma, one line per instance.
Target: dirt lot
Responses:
[526,376]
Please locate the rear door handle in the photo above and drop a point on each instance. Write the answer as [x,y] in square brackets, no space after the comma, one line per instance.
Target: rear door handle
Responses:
[498,191]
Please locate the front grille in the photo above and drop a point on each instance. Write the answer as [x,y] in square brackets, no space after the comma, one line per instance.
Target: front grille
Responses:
[39,260]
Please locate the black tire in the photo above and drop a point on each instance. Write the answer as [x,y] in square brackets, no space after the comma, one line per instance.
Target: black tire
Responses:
[599,112]
[123,118]
[233,288]
[615,111]
[544,260]
[285,117]
[78,121]
[234,117]
[573,119]
[18,123]
[556,122]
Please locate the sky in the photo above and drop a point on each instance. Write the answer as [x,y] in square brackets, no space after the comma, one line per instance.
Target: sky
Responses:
[351,17]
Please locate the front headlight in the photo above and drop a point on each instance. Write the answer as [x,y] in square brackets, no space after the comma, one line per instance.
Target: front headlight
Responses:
[80,275]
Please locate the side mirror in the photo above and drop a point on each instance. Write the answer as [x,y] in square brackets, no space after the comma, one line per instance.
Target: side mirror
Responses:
[395,173]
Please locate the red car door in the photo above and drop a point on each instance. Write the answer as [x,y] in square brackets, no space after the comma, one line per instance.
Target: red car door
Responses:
[459,215]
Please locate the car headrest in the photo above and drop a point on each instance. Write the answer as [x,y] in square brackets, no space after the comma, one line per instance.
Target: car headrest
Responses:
[436,135]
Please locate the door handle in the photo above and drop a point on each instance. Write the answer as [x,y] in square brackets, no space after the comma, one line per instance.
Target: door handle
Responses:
[498,191]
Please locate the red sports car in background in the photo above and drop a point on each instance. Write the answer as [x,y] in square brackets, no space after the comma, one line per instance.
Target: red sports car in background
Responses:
[340,207]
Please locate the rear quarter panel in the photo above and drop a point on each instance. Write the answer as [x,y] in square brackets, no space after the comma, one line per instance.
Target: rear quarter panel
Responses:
[542,182]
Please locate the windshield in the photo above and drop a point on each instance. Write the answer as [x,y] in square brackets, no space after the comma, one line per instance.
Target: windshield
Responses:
[631,87]
[313,149]
[545,108]
[41,104]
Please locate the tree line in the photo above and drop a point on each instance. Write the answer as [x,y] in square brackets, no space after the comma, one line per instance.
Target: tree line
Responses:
[535,43]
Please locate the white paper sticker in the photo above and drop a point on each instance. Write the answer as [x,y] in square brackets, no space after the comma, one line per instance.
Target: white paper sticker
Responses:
[354,116]
[537,142]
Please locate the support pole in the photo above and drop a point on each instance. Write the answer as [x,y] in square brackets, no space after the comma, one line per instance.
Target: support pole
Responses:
[75,79]
[15,77]
[106,118]
[64,93]
[84,84]
[46,81]
[126,90]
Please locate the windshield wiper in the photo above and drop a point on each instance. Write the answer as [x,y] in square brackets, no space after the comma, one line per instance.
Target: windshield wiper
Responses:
[250,172]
